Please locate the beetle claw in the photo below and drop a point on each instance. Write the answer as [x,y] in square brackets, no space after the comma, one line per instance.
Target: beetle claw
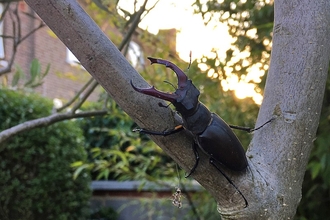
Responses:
[155,93]
[182,78]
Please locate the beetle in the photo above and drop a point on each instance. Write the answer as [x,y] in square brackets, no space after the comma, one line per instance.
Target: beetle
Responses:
[211,133]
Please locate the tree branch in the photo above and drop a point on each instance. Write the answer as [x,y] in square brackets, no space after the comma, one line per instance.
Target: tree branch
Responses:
[94,84]
[45,121]
[77,95]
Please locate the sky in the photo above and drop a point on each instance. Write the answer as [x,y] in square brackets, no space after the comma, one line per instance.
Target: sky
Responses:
[194,36]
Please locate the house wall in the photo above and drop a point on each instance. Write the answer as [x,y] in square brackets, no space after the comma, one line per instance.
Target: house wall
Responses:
[64,79]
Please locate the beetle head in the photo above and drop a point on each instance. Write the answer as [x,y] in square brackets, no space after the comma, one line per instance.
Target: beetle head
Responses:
[185,98]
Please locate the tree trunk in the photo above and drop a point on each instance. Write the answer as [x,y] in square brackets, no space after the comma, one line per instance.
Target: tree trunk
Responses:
[294,91]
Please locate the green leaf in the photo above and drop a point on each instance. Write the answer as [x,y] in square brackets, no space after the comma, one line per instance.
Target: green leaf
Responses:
[34,72]
[17,76]
[46,71]
[315,169]
[77,163]
[79,170]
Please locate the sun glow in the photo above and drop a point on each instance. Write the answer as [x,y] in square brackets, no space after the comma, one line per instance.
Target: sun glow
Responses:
[202,40]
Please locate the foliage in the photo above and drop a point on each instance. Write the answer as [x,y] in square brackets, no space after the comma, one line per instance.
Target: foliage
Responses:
[105,213]
[250,24]
[206,206]
[244,18]
[36,179]
[34,80]
[116,152]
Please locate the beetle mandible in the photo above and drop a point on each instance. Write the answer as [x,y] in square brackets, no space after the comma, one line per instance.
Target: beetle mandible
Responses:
[211,133]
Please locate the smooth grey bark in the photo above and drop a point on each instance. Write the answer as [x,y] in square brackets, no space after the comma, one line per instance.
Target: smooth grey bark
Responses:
[294,90]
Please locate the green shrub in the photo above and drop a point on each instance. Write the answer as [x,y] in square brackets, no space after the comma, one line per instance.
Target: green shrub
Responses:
[36,179]
[105,213]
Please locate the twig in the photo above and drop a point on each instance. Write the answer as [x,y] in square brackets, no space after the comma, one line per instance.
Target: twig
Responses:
[85,96]
[76,96]
[45,121]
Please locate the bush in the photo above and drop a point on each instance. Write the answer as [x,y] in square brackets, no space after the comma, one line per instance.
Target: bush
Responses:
[36,179]
[105,213]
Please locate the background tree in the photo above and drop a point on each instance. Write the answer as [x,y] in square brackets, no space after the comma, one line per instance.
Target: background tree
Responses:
[294,90]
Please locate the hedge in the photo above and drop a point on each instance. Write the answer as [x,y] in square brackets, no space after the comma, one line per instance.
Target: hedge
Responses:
[36,178]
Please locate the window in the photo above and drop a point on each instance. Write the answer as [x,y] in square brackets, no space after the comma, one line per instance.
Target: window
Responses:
[2,49]
[71,59]
[135,55]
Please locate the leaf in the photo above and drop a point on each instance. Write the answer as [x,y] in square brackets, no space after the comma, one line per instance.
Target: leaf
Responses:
[104,173]
[79,170]
[34,72]
[17,76]
[315,169]
[130,148]
[46,71]
[77,163]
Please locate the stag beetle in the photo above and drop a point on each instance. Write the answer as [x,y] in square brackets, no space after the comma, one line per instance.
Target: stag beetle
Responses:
[211,133]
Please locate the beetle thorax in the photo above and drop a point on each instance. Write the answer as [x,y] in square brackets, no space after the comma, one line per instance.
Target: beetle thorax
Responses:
[187,102]
[197,122]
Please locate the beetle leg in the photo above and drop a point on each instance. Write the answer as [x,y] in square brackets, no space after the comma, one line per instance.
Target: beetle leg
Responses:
[194,147]
[229,180]
[161,133]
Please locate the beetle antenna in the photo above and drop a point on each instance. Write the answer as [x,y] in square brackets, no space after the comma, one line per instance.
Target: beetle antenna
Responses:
[190,53]
[270,120]
[248,129]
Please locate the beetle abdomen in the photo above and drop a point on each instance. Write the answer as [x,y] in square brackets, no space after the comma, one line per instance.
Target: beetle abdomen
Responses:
[220,142]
